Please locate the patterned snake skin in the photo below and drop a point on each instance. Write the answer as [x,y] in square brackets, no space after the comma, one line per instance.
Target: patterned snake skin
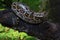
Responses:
[26,14]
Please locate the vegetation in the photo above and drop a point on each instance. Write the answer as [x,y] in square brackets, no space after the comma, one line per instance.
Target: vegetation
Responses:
[35,5]
[10,34]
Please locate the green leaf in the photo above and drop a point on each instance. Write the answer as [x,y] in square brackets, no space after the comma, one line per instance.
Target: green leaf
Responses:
[23,35]
[30,38]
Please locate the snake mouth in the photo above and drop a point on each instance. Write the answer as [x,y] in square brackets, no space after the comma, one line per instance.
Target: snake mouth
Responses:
[24,12]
